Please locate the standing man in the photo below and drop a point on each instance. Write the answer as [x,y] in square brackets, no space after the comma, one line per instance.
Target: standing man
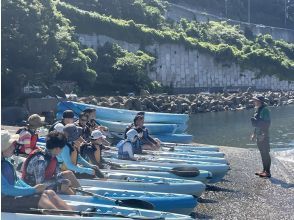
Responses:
[261,122]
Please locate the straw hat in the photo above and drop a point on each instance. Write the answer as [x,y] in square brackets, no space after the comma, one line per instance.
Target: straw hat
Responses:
[7,139]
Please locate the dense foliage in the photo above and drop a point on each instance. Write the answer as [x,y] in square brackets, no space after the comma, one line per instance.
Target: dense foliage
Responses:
[149,12]
[121,71]
[38,47]
[223,41]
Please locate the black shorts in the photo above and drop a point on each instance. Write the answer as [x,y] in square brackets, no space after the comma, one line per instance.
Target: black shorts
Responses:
[19,203]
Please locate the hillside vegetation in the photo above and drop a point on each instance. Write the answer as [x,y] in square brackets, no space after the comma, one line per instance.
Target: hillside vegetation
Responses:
[39,45]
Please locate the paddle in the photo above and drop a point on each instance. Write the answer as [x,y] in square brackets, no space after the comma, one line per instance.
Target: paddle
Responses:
[178,171]
[134,203]
[88,213]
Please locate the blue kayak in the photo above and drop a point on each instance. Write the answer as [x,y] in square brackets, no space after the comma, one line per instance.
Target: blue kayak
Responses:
[176,138]
[182,204]
[122,115]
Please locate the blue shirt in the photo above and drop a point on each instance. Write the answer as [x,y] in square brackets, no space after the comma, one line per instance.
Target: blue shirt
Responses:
[64,157]
[18,188]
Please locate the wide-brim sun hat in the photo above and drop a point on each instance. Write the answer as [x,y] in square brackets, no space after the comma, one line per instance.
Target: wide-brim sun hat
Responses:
[259,98]
[7,139]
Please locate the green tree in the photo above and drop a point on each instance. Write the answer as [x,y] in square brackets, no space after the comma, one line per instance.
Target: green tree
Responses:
[38,46]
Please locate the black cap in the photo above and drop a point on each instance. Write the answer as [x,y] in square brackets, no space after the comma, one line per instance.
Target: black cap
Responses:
[141,113]
[260,98]
[68,114]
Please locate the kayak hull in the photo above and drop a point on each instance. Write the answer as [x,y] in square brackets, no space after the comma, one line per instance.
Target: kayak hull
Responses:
[122,115]
[194,188]
[218,170]
[182,204]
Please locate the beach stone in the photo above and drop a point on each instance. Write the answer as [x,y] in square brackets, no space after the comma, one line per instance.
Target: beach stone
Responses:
[128,104]
[115,105]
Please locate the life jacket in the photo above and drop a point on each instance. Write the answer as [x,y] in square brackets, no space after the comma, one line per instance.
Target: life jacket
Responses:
[73,155]
[34,139]
[49,171]
[136,147]
[7,170]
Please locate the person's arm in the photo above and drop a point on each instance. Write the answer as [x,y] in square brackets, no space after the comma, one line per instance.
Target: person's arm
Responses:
[83,162]
[19,189]
[148,138]
[65,154]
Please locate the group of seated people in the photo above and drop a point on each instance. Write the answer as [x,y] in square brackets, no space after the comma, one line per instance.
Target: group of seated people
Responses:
[72,151]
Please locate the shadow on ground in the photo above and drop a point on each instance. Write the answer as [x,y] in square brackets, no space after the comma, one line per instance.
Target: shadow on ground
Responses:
[200,216]
[281,183]
[218,189]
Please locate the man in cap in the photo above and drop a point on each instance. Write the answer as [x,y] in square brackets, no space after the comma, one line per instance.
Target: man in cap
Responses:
[16,195]
[67,118]
[28,136]
[261,122]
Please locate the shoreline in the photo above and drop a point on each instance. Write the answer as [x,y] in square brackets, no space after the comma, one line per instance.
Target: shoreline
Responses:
[243,195]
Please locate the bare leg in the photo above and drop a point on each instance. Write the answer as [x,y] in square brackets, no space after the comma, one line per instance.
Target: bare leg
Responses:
[70,176]
[45,202]
[57,202]
[147,147]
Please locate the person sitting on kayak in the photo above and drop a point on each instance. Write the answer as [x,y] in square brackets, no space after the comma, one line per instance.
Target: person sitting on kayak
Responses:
[28,136]
[130,146]
[82,122]
[93,151]
[146,141]
[70,156]
[92,123]
[41,166]
[132,125]
[16,195]
[67,118]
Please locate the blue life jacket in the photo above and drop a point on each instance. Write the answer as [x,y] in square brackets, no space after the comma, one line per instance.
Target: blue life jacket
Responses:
[136,147]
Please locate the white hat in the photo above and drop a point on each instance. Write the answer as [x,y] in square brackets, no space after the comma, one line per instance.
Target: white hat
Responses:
[131,134]
[59,127]
[96,134]
[7,139]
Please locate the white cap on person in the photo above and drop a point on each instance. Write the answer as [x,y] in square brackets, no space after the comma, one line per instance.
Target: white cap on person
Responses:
[96,134]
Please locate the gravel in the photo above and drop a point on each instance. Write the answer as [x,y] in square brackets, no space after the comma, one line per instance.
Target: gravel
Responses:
[243,195]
